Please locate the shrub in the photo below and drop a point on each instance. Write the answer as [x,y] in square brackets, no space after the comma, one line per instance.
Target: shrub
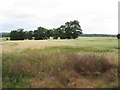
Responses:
[92,65]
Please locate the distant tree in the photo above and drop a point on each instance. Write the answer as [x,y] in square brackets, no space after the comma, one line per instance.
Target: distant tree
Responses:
[97,35]
[29,35]
[14,35]
[49,33]
[61,31]
[18,34]
[40,34]
[68,31]
[55,33]
[4,34]
[76,29]
[36,35]
[72,29]
[21,34]
[25,37]
[118,36]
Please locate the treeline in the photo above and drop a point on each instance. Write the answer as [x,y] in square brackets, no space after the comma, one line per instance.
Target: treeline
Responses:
[4,34]
[70,30]
[97,35]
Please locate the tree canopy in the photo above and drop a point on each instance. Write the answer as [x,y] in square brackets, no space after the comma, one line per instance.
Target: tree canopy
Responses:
[70,30]
[18,34]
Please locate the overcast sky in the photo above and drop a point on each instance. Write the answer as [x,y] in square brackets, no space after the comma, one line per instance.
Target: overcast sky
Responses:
[95,16]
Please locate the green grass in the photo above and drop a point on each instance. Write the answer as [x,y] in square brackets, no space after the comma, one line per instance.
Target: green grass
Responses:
[66,63]
[5,39]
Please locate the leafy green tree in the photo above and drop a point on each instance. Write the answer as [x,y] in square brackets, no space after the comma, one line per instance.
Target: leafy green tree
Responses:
[40,34]
[61,31]
[18,34]
[76,29]
[72,29]
[25,37]
[68,31]
[49,33]
[21,34]
[55,33]
[36,35]
[14,35]
[29,35]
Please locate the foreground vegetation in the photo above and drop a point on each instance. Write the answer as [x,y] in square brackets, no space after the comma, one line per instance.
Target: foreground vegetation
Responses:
[77,63]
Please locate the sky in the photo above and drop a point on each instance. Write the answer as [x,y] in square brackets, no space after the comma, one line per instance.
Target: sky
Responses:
[95,16]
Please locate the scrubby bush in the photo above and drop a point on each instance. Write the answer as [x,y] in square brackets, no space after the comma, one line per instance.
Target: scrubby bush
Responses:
[92,65]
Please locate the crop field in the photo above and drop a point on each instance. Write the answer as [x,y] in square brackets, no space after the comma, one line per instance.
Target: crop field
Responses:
[85,62]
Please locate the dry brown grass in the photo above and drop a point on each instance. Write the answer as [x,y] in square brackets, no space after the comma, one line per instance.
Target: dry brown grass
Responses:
[92,65]
[31,44]
[59,65]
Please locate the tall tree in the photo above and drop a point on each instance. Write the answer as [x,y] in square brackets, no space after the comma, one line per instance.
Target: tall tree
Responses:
[21,34]
[40,34]
[72,29]
[18,34]
[76,29]
[49,33]
[68,31]
[55,33]
[29,35]
[61,31]
[14,35]
[25,37]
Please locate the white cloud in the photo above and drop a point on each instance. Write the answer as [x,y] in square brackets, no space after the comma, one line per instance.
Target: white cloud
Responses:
[95,16]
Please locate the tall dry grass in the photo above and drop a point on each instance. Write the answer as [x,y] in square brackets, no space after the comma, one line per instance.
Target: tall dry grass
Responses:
[53,67]
[80,63]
